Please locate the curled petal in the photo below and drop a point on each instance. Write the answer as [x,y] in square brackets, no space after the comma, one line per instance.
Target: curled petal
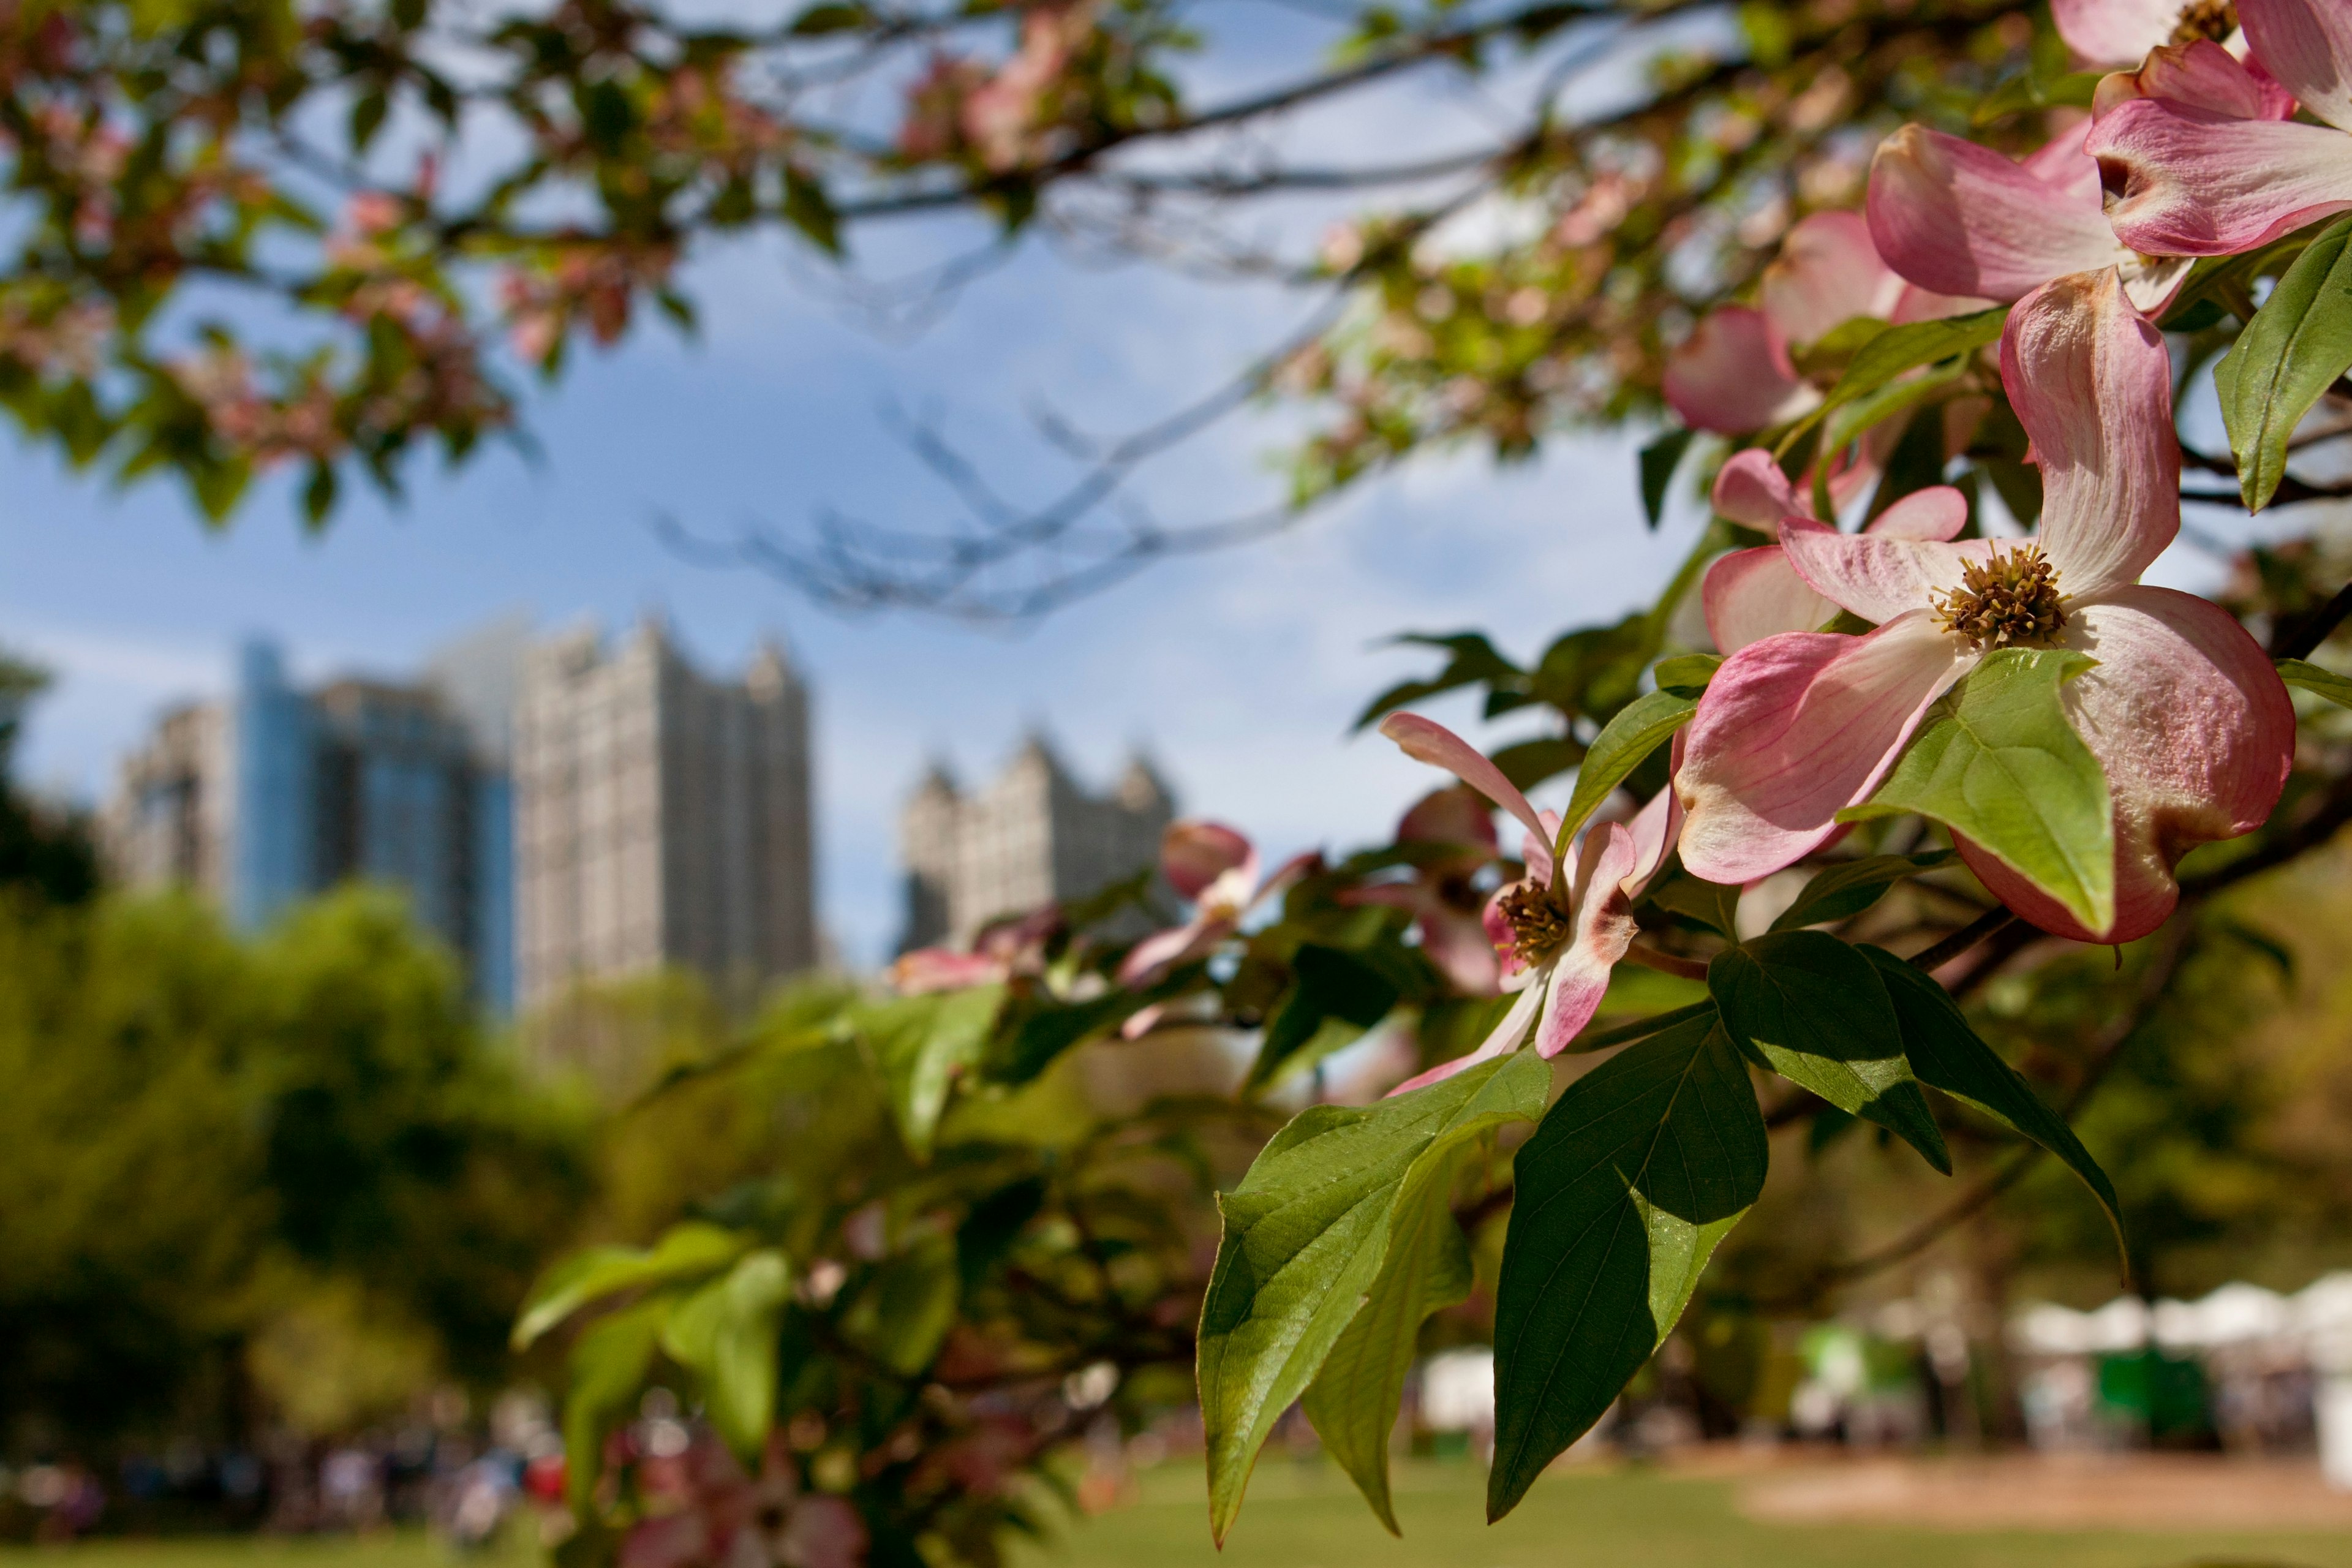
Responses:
[1751,488]
[1934,514]
[2092,383]
[2196,735]
[1164,950]
[1878,577]
[2198,75]
[1603,931]
[1657,825]
[2114,32]
[929,969]
[1751,595]
[2189,182]
[1796,728]
[1426,740]
[1303,863]
[1456,814]
[1827,273]
[2307,46]
[1194,854]
[1505,1037]
[1962,219]
[1732,373]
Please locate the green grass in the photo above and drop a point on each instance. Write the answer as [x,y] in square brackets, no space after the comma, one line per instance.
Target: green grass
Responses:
[1306,1516]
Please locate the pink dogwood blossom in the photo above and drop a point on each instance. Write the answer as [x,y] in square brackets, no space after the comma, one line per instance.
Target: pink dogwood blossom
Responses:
[1735,373]
[2198,149]
[1556,937]
[2121,32]
[1458,828]
[2183,711]
[1216,868]
[1962,219]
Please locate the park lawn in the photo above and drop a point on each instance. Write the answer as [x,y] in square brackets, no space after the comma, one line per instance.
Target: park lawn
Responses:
[1305,1515]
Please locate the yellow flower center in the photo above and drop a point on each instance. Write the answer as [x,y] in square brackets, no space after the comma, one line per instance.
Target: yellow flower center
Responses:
[2214,19]
[1538,926]
[2009,601]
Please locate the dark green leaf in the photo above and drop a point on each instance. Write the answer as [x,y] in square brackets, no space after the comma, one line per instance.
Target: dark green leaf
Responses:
[1712,904]
[2028,93]
[1660,458]
[1845,888]
[1813,1009]
[1475,663]
[1354,1399]
[1997,761]
[725,1333]
[821,19]
[1622,1195]
[1946,1052]
[1527,763]
[808,209]
[2294,348]
[2318,680]
[1646,724]
[904,1315]
[1333,1000]
[1305,1236]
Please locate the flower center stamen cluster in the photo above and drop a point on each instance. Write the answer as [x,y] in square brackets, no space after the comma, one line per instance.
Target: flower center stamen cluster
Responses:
[1538,926]
[2214,19]
[2009,601]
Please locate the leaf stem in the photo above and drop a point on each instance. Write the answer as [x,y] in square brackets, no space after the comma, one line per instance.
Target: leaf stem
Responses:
[1665,962]
[1960,941]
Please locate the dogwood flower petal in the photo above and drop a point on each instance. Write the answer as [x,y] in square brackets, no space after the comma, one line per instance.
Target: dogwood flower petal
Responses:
[2092,383]
[1504,1037]
[1935,514]
[2195,734]
[2114,32]
[1751,595]
[1794,728]
[2190,181]
[1751,489]
[1164,950]
[1605,866]
[2198,75]
[1194,854]
[2307,46]
[1456,814]
[1426,740]
[1828,273]
[1961,218]
[1732,373]
[1876,576]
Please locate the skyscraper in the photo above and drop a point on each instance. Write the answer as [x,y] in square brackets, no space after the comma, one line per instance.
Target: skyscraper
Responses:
[1033,836]
[273,793]
[661,817]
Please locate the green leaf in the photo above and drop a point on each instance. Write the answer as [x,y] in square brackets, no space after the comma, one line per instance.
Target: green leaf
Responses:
[1475,663]
[1622,1195]
[1353,1401]
[1897,397]
[1996,760]
[2317,679]
[1849,887]
[1687,674]
[1335,998]
[2028,93]
[1642,726]
[903,1316]
[608,1367]
[725,1333]
[1897,351]
[687,1251]
[1712,904]
[1813,1009]
[1660,458]
[918,1045]
[1306,1235]
[1946,1052]
[2294,348]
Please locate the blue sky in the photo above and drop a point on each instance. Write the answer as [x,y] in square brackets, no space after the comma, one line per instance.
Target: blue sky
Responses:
[1240,672]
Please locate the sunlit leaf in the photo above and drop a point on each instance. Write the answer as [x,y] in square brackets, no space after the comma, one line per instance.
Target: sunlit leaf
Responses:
[2294,348]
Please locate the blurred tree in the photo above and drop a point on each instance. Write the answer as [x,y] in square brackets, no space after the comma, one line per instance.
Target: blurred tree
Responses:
[209,1142]
[46,848]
